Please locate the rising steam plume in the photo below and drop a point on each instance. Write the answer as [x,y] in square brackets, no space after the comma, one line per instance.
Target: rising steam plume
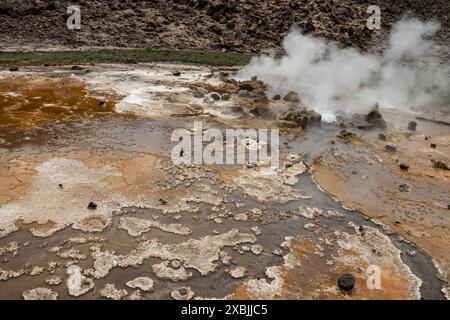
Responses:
[332,79]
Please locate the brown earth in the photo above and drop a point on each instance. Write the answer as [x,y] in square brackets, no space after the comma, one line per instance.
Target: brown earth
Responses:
[232,25]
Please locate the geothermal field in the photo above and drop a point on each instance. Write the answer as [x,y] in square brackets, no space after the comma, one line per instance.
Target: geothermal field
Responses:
[116,175]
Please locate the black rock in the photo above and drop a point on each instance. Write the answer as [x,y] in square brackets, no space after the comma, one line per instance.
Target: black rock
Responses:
[346,282]
[412,126]
[314,118]
[404,166]
[382,137]
[215,96]
[254,78]
[76,68]
[448,206]
[237,109]
[433,146]
[440,165]
[390,148]
[102,104]
[92,206]
[373,115]
[247,86]
[14,69]
[403,187]
[176,73]
[162,202]
[276,97]
[292,97]
[61,186]
[261,112]
[183,291]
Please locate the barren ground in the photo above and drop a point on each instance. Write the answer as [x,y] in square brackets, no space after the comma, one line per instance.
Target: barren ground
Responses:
[335,206]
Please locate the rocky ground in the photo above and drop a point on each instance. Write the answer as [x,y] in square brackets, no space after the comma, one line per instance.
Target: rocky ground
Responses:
[230,25]
[92,206]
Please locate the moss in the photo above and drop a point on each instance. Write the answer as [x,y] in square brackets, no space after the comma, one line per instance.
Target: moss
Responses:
[122,56]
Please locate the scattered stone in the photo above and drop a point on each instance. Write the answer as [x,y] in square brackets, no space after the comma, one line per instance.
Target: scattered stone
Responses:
[238,272]
[390,147]
[162,202]
[244,94]
[176,73]
[14,69]
[225,97]
[412,126]
[276,97]
[215,96]
[314,118]
[143,283]
[382,137]
[440,165]
[110,292]
[184,293]
[92,206]
[39,294]
[292,97]
[262,112]
[404,187]
[208,99]
[247,86]
[433,146]
[411,253]
[61,186]
[346,282]
[404,167]
[373,116]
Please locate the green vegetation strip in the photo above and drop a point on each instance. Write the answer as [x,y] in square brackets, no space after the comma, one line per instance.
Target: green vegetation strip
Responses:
[122,56]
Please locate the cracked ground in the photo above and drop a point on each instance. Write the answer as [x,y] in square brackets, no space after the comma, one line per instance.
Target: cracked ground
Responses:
[92,207]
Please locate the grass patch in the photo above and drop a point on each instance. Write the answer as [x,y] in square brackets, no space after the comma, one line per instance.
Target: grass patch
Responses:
[122,56]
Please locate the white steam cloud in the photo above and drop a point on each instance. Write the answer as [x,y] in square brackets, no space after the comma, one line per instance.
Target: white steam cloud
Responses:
[331,79]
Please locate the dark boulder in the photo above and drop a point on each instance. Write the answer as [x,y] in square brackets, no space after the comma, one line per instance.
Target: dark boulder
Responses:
[92,206]
[412,126]
[346,282]
[292,97]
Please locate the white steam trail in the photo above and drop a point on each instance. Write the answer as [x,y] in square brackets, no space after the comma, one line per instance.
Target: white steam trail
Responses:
[331,79]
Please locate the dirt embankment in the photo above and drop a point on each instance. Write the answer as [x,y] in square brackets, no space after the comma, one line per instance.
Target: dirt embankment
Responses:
[232,25]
